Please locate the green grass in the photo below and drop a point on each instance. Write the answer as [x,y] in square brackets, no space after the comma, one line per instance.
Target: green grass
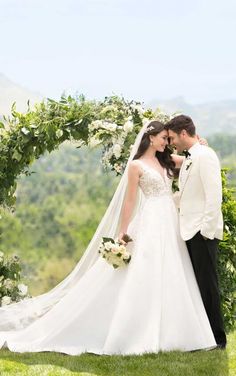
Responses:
[200,363]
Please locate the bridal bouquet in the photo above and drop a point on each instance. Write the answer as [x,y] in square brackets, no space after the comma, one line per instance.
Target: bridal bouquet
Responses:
[114,252]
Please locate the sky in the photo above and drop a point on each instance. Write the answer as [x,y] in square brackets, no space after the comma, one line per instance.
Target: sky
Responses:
[143,50]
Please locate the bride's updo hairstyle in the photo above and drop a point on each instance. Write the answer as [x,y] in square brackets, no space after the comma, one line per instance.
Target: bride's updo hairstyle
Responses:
[164,158]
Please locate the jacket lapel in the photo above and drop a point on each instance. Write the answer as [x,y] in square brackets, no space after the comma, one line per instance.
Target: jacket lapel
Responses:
[184,174]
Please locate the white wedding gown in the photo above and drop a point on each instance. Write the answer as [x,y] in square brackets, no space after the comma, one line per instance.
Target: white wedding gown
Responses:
[151,305]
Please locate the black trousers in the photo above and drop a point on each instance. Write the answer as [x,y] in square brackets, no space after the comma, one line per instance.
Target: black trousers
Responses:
[203,254]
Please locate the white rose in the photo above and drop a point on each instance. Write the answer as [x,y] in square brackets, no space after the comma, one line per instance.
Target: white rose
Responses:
[59,133]
[139,108]
[6,300]
[118,168]
[113,259]
[126,256]
[94,141]
[117,150]
[8,283]
[95,124]
[122,248]
[128,126]
[110,126]
[23,289]
[115,249]
[104,253]
[108,245]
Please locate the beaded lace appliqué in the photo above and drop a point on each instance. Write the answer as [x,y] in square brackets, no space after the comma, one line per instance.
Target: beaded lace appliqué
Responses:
[153,184]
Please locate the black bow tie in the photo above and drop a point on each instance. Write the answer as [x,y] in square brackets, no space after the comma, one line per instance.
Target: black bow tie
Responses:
[186,153]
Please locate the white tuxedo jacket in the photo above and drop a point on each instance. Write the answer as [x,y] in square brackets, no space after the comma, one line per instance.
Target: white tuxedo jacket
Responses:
[200,194]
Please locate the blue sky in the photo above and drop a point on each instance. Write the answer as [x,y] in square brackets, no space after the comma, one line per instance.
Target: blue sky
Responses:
[141,49]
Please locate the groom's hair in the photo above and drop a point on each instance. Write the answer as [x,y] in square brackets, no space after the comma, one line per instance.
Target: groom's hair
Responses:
[180,122]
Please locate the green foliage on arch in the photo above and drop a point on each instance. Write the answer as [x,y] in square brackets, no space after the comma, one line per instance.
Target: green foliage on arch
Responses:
[113,124]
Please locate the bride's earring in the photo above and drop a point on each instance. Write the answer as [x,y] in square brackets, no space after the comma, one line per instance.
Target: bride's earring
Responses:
[151,143]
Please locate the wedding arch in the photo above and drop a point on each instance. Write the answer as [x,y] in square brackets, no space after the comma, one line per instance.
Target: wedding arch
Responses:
[113,124]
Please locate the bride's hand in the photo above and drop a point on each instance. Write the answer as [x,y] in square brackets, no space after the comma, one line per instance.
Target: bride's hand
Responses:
[120,238]
[202,141]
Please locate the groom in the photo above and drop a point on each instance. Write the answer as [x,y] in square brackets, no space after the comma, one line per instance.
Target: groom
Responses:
[201,223]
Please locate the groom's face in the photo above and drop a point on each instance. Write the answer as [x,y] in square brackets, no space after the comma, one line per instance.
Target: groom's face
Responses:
[177,140]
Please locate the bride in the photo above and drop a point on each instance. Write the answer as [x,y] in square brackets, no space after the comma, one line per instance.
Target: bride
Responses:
[151,305]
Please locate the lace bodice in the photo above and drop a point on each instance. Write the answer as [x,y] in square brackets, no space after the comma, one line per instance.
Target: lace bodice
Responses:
[152,183]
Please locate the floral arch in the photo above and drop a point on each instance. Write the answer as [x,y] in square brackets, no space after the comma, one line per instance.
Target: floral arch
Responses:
[112,123]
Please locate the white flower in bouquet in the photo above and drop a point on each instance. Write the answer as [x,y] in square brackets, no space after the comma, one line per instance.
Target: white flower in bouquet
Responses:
[23,289]
[108,245]
[122,248]
[115,249]
[112,259]
[5,300]
[126,256]
[117,151]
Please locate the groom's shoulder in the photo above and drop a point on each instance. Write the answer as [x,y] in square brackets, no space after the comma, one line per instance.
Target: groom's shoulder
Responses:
[206,151]
[206,156]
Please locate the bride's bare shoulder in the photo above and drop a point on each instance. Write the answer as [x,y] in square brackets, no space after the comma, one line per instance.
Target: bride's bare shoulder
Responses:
[135,167]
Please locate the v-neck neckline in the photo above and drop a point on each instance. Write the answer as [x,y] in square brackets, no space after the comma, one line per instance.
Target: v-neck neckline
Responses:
[152,168]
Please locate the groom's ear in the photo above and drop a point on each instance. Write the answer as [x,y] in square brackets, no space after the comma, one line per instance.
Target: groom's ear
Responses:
[184,133]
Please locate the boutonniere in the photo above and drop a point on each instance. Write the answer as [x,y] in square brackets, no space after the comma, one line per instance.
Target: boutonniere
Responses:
[188,163]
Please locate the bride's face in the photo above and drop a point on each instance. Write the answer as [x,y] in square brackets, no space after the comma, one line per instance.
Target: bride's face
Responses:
[160,141]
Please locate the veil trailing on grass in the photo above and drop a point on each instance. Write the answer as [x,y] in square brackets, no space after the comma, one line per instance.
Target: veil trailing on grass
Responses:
[19,315]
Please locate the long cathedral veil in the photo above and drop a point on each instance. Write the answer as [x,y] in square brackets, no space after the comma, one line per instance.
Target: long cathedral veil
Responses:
[19,315]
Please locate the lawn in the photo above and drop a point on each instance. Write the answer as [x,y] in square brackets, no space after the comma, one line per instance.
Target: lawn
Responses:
[211,363]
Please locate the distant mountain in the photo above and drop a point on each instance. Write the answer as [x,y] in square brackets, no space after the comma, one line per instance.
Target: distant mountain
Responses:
[209,118]
[11,92]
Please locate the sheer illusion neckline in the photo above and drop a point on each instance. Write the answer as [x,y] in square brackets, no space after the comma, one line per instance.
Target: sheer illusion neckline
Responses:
[153,169]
